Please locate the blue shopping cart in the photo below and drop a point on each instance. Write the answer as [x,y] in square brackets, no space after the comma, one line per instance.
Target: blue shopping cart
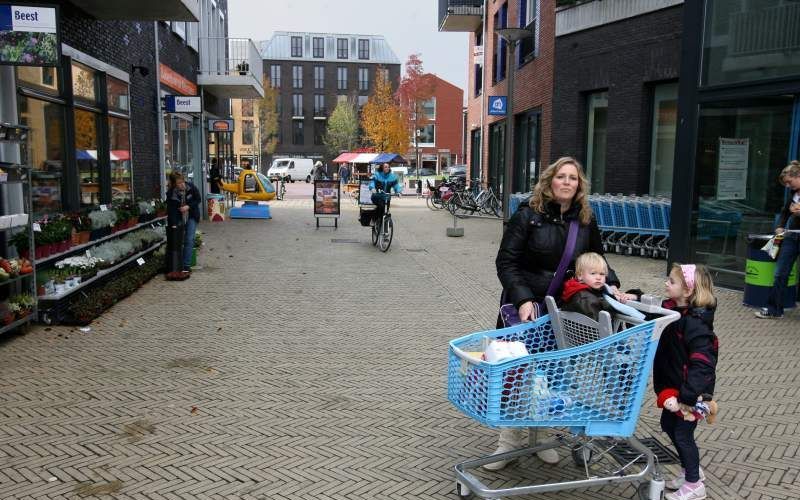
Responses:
[590,387]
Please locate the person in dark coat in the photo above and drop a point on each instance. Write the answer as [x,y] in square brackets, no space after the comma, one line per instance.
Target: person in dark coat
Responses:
[183,210]
[214,178]
[531,249]
[685,364]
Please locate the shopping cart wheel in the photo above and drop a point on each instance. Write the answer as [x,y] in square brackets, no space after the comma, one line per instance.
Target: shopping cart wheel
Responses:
[462,490]
[581,455]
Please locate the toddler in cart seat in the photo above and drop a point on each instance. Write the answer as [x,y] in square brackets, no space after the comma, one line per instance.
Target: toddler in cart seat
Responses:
[685,362]
[586,293]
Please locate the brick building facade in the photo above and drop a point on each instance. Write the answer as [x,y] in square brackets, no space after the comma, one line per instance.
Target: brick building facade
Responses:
[445,127]
[611,80]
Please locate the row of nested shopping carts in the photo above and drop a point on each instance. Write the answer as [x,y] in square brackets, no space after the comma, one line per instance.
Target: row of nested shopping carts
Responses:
[633,225]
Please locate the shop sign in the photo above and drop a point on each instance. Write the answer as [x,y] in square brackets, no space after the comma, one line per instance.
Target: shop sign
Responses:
[29,35]
[497,105]
[182,104]
[174,80]
[220,125]
[732,168]
[326,197]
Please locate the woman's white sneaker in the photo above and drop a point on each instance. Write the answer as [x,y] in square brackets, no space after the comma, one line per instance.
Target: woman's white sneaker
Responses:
[689,491]
[677,482]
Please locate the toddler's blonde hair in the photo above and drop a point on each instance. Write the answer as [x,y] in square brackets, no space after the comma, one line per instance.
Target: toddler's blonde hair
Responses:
[589,261]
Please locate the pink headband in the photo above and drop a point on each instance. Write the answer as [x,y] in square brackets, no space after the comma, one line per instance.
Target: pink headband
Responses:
[688,274]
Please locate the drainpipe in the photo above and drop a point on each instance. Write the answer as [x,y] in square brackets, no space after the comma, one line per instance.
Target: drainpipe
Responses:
[160,118]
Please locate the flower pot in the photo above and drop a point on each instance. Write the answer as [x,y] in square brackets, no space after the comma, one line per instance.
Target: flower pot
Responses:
[75,238]
[8,318]
[25,254]
[23,313]
[51,249]
[63,246]
[38,252]
[41,290]
[133,221]
[60,288]
[84,237]
[70,283]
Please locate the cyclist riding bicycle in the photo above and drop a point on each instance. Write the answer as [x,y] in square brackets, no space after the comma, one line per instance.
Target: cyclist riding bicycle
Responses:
[381,185]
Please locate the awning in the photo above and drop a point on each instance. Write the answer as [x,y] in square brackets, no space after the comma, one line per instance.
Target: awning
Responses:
[388,158]
[120,154]
[345,158]
[82,154]
[364,158]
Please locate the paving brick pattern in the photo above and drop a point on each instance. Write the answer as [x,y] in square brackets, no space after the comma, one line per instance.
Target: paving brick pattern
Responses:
[290,366]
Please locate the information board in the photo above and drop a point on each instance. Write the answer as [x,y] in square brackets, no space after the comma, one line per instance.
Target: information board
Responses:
[326,198]
[29,35]
[732,171]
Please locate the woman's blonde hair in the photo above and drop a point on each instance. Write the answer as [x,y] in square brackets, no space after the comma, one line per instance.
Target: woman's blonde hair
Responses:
[790,170]
[703,293]
[543,192]
[589,261]
[174,177]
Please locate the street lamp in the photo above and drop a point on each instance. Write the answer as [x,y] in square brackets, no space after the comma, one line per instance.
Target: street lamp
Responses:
[417,135]
[512,36]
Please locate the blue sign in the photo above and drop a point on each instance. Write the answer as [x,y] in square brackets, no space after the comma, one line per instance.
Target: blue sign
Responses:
[498,104]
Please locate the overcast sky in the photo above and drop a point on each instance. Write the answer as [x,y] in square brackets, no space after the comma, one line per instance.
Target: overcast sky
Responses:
[410,26]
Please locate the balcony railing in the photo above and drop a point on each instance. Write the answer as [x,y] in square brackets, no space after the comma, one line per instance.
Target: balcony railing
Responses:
[460,15]
[230,62]
[769,30]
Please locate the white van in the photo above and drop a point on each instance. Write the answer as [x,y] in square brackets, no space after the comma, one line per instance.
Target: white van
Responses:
[292,169]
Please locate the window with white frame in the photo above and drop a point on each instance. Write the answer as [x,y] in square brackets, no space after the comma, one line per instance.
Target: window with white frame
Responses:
[427,135]
[529,15]
[319,77]
[363,49]
[297,46]
[363,78]
[318,47]
[341,78]
[297,77]
[319,104]
[429,109]
[341,48]
[275,76]
[297,105]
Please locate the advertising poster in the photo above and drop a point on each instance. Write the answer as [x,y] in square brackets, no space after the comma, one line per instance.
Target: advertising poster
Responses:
[29,35]
[732,171]
[364,196]
[326,197]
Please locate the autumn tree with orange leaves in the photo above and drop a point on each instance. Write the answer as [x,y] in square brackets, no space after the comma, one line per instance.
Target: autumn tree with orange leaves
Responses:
[382,121]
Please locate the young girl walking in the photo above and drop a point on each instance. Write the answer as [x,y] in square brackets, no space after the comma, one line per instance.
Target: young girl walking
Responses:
[685,364]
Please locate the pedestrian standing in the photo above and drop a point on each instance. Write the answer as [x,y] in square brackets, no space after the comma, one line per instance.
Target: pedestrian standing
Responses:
[790,243]
[183,215]
[686,364]
[344,173]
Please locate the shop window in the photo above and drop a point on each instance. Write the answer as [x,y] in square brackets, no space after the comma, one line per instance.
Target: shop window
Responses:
[497,154]
[363,49]
[741,149]
[117,95]
[297,133]
[119,140]
[748,41]
[526,144]
[297,46]
[662,146]
[46,153]
[319,77]
[86,140]
[179,146]
[341,48]
[341,78]
[43,79]
[426,135]
[319,47]
[596,136]
[84,83]
[247,132]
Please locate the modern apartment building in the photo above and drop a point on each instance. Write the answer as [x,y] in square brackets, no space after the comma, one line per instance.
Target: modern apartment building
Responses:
[440,137]
[315,71]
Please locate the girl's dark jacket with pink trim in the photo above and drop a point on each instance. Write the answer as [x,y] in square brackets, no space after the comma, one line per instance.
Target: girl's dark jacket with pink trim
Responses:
[686,358]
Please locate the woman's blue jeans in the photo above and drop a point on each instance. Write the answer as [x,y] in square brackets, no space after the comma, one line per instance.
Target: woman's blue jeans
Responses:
[188,243]
[787,256]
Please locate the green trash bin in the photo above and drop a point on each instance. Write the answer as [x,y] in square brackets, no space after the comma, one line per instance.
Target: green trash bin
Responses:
[760,275]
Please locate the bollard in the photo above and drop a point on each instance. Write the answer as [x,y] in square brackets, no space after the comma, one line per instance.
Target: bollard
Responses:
[455,231]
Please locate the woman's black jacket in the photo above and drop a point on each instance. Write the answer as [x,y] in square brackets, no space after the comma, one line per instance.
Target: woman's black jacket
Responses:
[190,196]
[787,219]
[532,247]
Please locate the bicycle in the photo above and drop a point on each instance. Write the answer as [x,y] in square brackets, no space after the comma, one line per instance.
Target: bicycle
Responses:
[382,230]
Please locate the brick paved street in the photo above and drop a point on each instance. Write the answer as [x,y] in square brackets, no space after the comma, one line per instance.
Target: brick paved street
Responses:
[303,363]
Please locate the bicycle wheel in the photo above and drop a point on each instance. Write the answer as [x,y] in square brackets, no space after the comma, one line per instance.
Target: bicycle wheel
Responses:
[375,233]
[385,239]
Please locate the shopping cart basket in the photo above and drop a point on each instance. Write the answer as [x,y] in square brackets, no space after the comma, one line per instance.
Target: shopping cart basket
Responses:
[589,390]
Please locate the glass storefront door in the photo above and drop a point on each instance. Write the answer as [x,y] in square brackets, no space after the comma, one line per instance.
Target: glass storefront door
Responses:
[741,148]
[596,135]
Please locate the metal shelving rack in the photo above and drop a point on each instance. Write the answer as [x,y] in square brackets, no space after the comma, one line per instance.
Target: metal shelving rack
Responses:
[19,173]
